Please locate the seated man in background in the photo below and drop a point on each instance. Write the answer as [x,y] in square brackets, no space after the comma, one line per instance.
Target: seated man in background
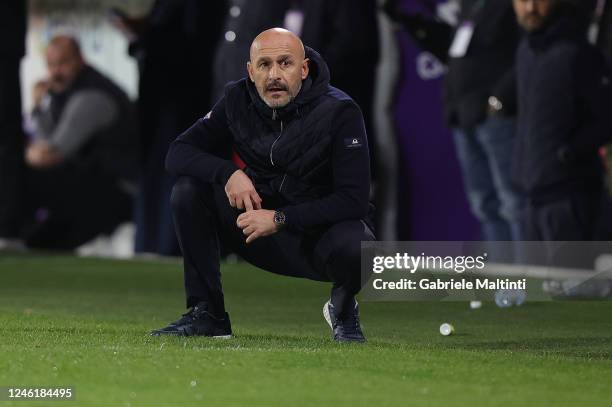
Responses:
[82,155]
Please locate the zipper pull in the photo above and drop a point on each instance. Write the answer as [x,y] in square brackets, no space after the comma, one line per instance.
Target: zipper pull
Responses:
[273,114]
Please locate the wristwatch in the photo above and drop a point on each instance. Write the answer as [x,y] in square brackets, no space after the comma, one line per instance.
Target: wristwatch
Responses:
[280,220]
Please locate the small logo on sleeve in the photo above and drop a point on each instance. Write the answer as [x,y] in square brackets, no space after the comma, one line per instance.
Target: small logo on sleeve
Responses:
[352,142]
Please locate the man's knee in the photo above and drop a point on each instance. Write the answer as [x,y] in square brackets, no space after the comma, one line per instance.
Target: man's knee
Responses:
[187,194]
[341,244]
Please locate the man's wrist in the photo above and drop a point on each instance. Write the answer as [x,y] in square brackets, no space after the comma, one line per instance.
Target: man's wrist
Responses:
[226,173]
[280,219]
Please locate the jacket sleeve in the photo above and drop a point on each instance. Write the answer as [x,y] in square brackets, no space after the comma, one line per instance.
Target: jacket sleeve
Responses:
[204,150]
[350,164]
[594,89]
[504,88]
[86,113]
[505,91]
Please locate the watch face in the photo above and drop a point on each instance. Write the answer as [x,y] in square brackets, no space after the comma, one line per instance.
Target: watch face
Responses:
[279,218]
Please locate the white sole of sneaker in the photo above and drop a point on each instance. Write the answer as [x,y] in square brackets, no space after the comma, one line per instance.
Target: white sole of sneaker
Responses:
[326,315]
[223,336]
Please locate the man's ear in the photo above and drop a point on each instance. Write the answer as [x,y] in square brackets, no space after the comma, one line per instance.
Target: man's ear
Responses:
[250,71]
[305,68]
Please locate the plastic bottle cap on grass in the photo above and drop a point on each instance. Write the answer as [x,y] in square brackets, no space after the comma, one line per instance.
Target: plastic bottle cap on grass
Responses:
[447,329]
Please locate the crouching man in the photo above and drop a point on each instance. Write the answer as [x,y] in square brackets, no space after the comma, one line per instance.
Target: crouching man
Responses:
[300,207]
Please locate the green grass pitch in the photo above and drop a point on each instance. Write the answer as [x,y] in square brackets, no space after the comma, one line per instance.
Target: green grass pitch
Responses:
[84,323]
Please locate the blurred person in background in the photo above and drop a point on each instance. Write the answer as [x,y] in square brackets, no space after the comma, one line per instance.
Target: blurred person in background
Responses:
[174,45]
[564,99]
[12,49]
[605,31]
[480,103]
[82,155]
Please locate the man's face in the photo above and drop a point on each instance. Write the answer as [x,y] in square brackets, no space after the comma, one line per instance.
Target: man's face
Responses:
[64,64]
[277,68]
[533,14]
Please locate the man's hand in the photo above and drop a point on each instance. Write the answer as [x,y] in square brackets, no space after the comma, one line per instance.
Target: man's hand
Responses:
[257,223]
[40,89]
[41,154]
[494,106]
[241,192]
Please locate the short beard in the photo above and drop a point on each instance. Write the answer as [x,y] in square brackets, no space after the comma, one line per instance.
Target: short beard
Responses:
[278,105]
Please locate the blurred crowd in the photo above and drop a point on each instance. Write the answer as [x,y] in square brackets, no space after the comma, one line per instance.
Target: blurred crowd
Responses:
[528,96]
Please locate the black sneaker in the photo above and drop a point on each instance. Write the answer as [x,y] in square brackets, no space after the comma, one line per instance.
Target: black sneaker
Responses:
[346,329]
[198,322]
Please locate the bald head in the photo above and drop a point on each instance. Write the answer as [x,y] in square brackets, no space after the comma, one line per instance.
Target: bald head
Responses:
[64,61]
[277,38]
[277,66]
[66,44]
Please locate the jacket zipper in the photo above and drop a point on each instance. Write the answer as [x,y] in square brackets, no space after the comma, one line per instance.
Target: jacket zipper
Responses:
[273,144]
[272,148]
[282,182]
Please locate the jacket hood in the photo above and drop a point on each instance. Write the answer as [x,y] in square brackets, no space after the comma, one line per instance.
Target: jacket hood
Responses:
[315,85]
[562,25]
